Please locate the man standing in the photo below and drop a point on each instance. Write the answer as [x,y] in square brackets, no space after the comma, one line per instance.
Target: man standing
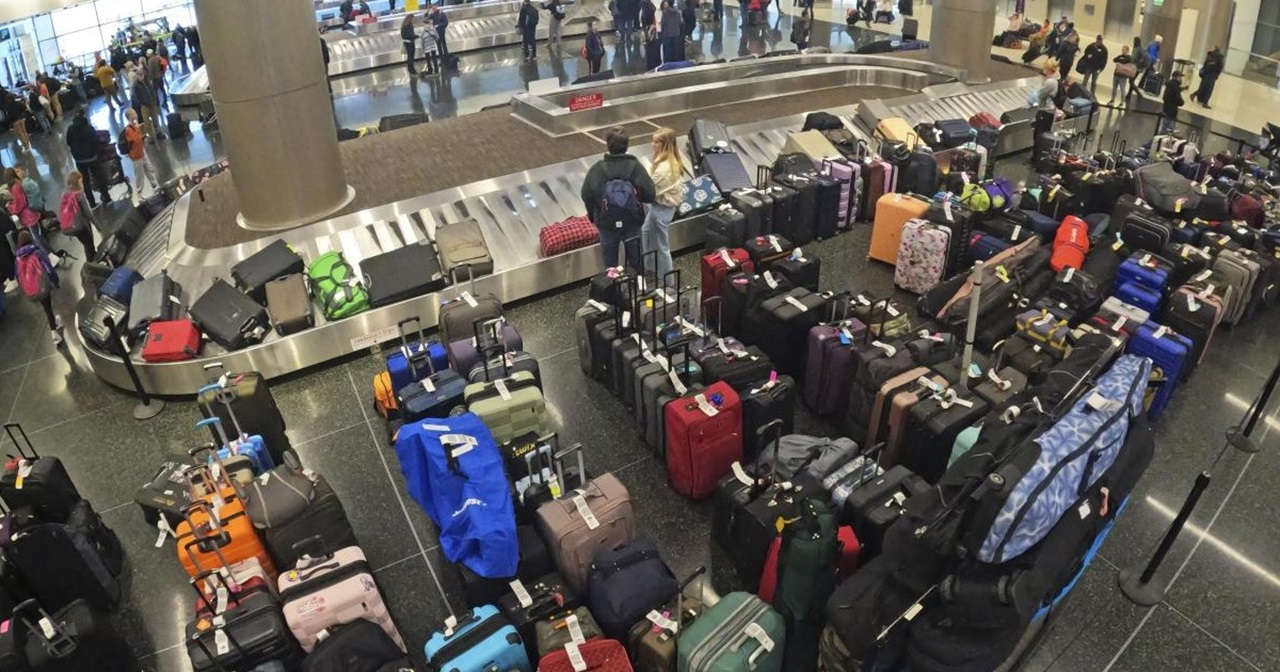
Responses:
[180,46]
[441,22]
[82,139]
[614,192]
[1092,63]
[1209,73]
[155,74]
[527,23]
[145,101]
[556,8]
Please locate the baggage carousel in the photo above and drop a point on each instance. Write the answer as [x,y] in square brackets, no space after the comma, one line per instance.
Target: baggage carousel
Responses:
[511,210]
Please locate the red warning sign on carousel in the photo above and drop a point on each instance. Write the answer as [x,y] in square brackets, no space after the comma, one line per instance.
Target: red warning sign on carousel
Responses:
[586,101]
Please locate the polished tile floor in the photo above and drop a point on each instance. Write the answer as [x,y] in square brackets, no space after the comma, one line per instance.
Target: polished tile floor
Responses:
[1219,613]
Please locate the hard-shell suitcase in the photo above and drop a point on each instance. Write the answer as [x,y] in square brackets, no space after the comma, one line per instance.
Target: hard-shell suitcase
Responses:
[503,364]
[801,270]
[829,369]
[598,654]
[93,327]
[922,256]
[464,354]
[155,299]
[273,261]
[739,367]
[576,527]
[461,244]
[877,504]
[209,542]
[740,632]
[932,429]
[414,359]
[482,639]
[39,483]
[893,211]
[342,581]
[707,136]
[1194,316]
[1143,231]
[359,646]
[253,406]
[728,171]
[511,406]
[704,437]
[742,295]
[726,226]
[289,304]
[591,320]
[73,637]
[60,563]
[756,206]
[897,128]
[812,144]
[784,204]
[412,270]
[625,584]
[1139,295]
[848,176]
[800,227]
[247,635]
[229,317]
[826,207]
[120,284]
[171,341]
[1171,355]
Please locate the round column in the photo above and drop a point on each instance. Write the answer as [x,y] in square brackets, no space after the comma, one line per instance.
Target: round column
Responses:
[271,93]
[1163,19]
[961,36]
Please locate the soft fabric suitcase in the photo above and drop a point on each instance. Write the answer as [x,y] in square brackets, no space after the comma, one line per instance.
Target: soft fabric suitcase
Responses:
[829,368]
[1145,232]
[459,318]
[435,396]
[289,304]
[875,505]
[932,429]
[229,317]
[893,211]
[290,506]
[599,655]
[802,271]
[481,640]
[335,287]
[359,646]
[71,638]
[1196,317]
[119,285]
[716,267]
[171,341]
[395,122]
[535,562]
[41,484]
[544,597]
[800,226]
[155,299]
[812,144]
[625,584]
[784,203]
[707,136]
[704,437]
[553,634]
[953,132]
[766,250]
[592,355]
[461,245]
[251,633]
[504,364]
[740,632]
[412,270]
[273,261]
[772,400]
[59,563]
[736,365]
[728,171]
[922,256]
[414,359]
[341,581]
[783,324]
[463,355]
[253,407]
[575,528]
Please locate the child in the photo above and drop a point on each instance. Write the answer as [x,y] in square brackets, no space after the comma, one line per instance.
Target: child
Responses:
[37,279]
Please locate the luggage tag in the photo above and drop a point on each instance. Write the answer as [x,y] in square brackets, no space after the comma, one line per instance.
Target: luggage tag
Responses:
[522,595]
[1071,273]
[597,305]
[626,318]
[1119,323]
[798,305]
[464,444]
[1002,273]
[846,337]
[754,631]
[580,502]
[676,383]
[740,473]
[1102,404]
[1115,247]
[162,524]
[1000,383]
[661,622]
[221,643]
[1017,229]
[24,470]
[1161,332]
[724,254]
[773,241]
[888,308]
[708,409]
[1207,291]
[797,255]
[449,624]
[951,398]
[575,630]
[1192,304]
[501,386]
[889,350]
[428,385]
[946,208]
[575,657]
[773,284]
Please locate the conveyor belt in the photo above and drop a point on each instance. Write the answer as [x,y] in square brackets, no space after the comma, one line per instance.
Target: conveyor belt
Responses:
[953,101]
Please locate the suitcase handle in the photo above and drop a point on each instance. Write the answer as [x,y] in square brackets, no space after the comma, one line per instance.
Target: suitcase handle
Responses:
[25,445]
[214,456]
[719,301]
[240,652]
[471,280]
[62,645]
[312,542]
[404,343]
[204,575]
[559,457]
[217,550]
[499,345]
[225,396]
[774,427]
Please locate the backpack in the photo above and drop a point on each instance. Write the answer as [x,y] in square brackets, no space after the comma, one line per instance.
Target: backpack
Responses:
[123,146]
[69,213]
[620,204]
[32,277]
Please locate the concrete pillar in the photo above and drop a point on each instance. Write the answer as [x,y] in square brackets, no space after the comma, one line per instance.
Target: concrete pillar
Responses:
[271,94]
[961,36]
[1213,27]
[1164,19]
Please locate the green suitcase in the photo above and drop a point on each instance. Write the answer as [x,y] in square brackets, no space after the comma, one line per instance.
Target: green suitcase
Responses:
[741,633]
[511,407]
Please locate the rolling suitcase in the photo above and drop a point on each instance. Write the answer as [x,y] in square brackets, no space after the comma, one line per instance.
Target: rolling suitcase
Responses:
[932,428]
[783,324]
[704,437]
[359,646]
[826,207]
[119,285]
[252,405]
[1194,316]
[155,299]
[461,244]
[413,360]
[598,517]
[847,175]
[289,304]
[764,251]
[535,562]
[784,204]
[74,637]
[707,136]
[294,508]
[166,494]
[953,132]
[393,122]
[589,320]
[209,542]
[511,406]
[534,601]
[598,654]
[251,633]
[412,270]
[482,639]
[60,563]
[897,128]
[716,267]
[229,317]
[812,144]
[273,261]
[459,316]
[740,632]
[922,256]
[435,396]
[829,369]
[771,400]
[1171,355]
[39,483]
[756,207]
[343,582]
[800,227]
[738,366]
[726,226]
[802,271]
[728,171]
[893,211]
[554,633]
[625,584]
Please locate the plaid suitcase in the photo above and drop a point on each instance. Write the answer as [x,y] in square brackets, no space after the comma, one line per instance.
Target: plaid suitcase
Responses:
[566,235]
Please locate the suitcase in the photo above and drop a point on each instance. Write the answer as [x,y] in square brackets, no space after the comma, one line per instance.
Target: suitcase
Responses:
[707,136]
[874,506]
[93,327]
[253,407]
[740,632]
[782,325]
[800,227]
[897,128]
[575,528]
[119,285]
[178,127]
[1194,316]
[742,295]
[289,304]
[155,299]
[229,317]
[598,654]
[590,320]
[342,581]
[959,220]
[359,646]
[291,507]
[922,256]
[829,372]
[1136,294]
[1147,232]
[848,176]
[482,639]
[208,542]
[893,211]
[171,341]
[625,584]
[566,235]
[76,636]
[772,400]
[800,270]
[700,193]
[504,364]
[391,277]
[727,169]
[60,563]
[757,207]
[704,437]
[253,632]
[533,602]
[812,144]
[273,261]
[554,633]
[736,365]
[826,207]
[435,396]
[766,250]
[458,317]
[414,360]
[461,244]
[394,122]
[932,428]
[717,266]
[1171,356]
[41,484]
[535,562]
[784,203]
[726,226]
[511,406]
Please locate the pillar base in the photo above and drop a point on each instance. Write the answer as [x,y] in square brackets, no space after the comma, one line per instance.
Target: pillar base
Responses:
[244,223]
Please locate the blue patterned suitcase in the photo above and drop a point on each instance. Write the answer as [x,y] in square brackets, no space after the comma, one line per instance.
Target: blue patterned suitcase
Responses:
[701,193]
[1170,353]
[481,639]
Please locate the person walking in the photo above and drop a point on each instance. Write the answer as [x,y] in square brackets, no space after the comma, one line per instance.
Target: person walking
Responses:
[672,33]
[593,48]
[614,192]
[410,41]
[1092,63]
[133,134]
[38,280]
[1172,103]
[15,110]
[155,76]
[75,214]
[145,104]
[1209,73]
[1125,71]
[25,203]
[119,62]
[1067,51]
[180,46]
[1141,64]
[668,174]
[107,78]
[800,30]
[556,9]
[82,140]
[527,24]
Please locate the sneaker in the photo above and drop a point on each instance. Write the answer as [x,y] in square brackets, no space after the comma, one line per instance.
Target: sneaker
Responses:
[57,322]
[10,286]
[56,335]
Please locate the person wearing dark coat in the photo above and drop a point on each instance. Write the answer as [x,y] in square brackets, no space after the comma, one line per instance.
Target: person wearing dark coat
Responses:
[593,48]
[617,164]
[82,140]
[648,14]
[1066,53]
[1209,73]
[527,24]
[409,40]
[671,30]
[1092,63]
[1172,102]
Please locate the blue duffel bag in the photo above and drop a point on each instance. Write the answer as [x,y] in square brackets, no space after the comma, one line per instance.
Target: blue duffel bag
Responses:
[119,285]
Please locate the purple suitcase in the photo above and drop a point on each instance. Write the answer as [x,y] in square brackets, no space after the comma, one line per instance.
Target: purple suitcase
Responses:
[463,356]
[829,366]
[846,175]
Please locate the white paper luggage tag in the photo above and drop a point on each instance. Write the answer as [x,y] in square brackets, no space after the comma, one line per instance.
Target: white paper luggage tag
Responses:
[1160,333]
[428,384]
[1071,273]
[889,350]
[946,208]
[1120,322]
[575,630]
[522,595]
[501,386]
[754,631]
[706,406]
[773,241]
[585,511]
[724,347]
[662,622]
[221,643]
[798,305]
[626,318]
[220,599]
[597,305]
[164,531]
[46,627]
[575,657]
[769,280]
[740,473]
[471,301]
[728,261]
[1017,229]
[676,383]
[449,624]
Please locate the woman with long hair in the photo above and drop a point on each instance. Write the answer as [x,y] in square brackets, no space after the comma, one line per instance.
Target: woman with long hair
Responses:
[668,174]
[37,279]
[74,214]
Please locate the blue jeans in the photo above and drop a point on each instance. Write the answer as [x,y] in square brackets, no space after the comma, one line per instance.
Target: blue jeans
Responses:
[657,221]
[611,237]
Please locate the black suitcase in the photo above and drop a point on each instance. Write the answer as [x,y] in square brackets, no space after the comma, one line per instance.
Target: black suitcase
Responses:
[727,171]
[875,505]
[155,299]
[768,250]
[726,227]
[781,327]
[358,646]
[740,369]
[826,208]
[754,526]
[112,251]
[800,227]
[743,295]
[397,121]
[322,516]
[706,136]
[757,208]
[39,483]
[931,430]
[229,317]
[1018,115]
[275,260]
[289,304]
[73,638]
[784,204]
[178,127]
[93,326]
[63,562]
[253,406]
[801,271]
[166,494]
[410,271]
[548,595]
[255,632]
[765,401]
[960,220]
[535,562]
[1194,319]
[1146,232]
[92,275]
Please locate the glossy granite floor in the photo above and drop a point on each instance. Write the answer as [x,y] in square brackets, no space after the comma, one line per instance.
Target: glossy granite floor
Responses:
[1219,614]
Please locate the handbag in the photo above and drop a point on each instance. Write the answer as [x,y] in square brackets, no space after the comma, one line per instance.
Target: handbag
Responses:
[1126,70]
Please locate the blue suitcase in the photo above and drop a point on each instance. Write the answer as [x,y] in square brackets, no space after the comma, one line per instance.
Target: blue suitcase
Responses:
[251,446]
[415,359]
[954,132]
[432,397]
[1045,226]
[119,285]
[1136,294]
[1170,352]
[1144,269]
[983,246]
[495,645]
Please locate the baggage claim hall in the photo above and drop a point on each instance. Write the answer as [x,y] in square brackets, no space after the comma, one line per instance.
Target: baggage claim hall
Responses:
[690,336]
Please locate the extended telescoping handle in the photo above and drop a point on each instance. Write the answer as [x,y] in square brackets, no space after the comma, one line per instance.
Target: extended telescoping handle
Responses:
[406,350]
[706,315]
[225,396]
[773,427]
[559,465]
[499,345]
[215,456]
[195,562]
[61,645]
[312,546]
[471,280]
[26,449]
[679,615]
[214,366]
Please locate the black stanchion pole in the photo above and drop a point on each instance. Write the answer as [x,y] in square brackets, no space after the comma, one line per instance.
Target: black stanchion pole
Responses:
[1140,587]
[147,407]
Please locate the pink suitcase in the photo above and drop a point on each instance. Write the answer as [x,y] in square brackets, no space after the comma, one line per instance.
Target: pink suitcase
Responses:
[321,592]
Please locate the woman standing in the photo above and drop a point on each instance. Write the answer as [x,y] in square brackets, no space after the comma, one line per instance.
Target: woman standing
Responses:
[16,111]
[75,216]
[1124,74]
[593,50]
[38,279]
[410,40]
[668,180]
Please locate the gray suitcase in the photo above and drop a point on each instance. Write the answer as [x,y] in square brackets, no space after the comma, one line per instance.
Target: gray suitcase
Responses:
[155,299]
[570,537]
[706,136]
[1243,274]
[459,316]
[511,406]
[658,393]
[462,244]
[289,304]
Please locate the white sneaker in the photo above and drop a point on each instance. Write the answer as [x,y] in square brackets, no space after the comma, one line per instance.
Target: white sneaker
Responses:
[56,335]
[10,286]
[57,323]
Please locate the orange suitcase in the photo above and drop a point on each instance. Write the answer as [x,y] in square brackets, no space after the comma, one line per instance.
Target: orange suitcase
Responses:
[892,213]
[206,542]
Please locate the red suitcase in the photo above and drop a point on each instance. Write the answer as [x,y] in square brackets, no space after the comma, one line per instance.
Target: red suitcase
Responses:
[171,341]
[704,439]
[717,265]
[600,655]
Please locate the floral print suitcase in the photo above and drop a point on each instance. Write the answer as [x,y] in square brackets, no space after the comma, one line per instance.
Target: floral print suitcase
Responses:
[922,256]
